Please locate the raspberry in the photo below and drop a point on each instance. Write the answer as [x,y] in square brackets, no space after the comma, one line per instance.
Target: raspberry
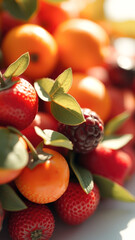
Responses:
[86,136]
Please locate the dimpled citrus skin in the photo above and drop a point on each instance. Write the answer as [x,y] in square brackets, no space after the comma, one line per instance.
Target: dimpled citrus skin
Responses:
[75,206]
[47,181]
[19,104]
[37,217]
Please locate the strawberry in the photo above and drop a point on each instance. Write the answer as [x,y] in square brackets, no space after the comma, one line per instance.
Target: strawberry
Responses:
[112,164]
[35,222]
[75,206]
[19,104]
[42,120]
[2,213]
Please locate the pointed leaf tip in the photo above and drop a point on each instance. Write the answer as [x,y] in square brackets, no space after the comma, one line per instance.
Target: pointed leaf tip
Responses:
[110,189]
[66,109]
[62,83]
[83,175]
[18,67]
[54,138]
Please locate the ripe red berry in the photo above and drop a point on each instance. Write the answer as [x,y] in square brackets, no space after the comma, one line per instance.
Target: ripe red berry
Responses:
[112,164]
[18,104]
[86,136]
[42,120]
[35,222]
[75,206]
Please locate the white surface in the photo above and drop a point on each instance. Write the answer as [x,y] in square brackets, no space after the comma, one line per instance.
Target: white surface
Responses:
[113,220]
[120,10]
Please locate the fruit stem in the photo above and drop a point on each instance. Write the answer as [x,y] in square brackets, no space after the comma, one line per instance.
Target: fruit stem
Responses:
[35,156]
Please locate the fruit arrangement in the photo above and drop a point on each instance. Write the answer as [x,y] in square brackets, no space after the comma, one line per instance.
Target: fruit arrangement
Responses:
[67,117]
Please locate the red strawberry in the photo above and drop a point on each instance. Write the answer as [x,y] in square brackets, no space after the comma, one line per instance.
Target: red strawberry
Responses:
[1,216]
[43,121]
[75,206]
[18,104]
[35,222]
[113,164]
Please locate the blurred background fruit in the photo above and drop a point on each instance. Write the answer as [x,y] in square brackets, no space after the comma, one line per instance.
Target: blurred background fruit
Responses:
[92,93]
[81,43]
[23,39]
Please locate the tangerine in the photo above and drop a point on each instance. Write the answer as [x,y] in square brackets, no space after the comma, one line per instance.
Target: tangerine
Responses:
[40,44]
[91,93]
[47,181]
[7,175]
[82,44]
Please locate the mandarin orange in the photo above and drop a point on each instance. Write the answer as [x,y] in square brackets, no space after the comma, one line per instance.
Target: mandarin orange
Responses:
[91,93]
[82,44]
[40,44]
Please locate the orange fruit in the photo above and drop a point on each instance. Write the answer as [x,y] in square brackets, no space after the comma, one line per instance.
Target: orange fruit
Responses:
[40,44]
[47,181]
[7,175]
[82,44]
[91,93]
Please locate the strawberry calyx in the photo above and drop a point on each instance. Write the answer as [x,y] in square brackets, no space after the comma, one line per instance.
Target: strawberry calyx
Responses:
[37,234]
[14,70]
[6,83]
[36,156]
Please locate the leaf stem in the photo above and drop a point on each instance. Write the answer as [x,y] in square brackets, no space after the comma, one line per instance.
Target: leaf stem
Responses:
[31,147]
[2,82]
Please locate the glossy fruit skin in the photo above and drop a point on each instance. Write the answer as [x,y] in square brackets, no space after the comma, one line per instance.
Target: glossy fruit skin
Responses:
[23,39]
[8,175]
[122,100]
[91,93]
[2,214]
[47,181]
[19,104]
[50,15]
[42,120]
[86,136]
[121,71]
[82,44]
[75,206]
[109,163]
[37,220]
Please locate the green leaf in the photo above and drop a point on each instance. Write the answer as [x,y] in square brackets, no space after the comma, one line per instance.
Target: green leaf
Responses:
[54,138]
[39,158]
[22,9]
[62,83]
[18,67]
[83,175]
[10,200]
[113,125]
[116,141]
[66,109]
[110,189]
[13,154]
[43,88]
